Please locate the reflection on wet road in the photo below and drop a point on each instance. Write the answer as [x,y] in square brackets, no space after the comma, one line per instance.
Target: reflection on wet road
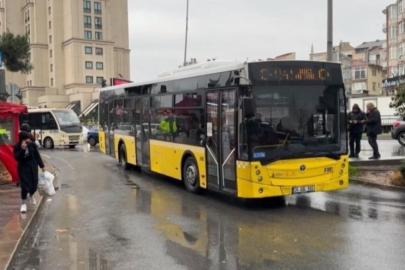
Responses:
[100,220]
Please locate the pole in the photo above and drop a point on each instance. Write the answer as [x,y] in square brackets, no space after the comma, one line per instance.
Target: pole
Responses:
[330,30]
[185,49]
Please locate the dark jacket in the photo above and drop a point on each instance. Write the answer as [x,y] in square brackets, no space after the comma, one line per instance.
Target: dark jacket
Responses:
[356,116]
[28,163]
[373,123]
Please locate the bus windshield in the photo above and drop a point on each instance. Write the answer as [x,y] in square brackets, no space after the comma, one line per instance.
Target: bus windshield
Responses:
[295,121]
[66,118]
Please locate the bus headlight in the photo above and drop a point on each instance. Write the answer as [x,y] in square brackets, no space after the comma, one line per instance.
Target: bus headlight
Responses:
[341,171]
[257,172]
[343,165]
[259,178]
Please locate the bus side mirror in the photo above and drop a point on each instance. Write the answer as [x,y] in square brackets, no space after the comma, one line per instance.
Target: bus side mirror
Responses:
[248,107]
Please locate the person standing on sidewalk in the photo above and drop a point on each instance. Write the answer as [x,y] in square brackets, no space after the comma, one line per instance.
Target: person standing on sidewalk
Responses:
[373,128]
[356,128]
[28,158]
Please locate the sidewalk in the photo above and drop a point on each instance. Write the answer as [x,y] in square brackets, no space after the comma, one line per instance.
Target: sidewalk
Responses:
[13,224]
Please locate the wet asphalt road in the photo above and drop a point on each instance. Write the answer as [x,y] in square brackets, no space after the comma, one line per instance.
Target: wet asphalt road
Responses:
[98,220]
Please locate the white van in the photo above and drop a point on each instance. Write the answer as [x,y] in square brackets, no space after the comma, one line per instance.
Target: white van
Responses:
[54,127]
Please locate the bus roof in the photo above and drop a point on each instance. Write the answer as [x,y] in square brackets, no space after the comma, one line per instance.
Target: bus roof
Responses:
[46,109]
[201,69]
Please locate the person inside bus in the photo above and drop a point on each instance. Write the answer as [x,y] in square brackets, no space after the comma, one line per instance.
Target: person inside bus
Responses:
[28,159]
[168,126]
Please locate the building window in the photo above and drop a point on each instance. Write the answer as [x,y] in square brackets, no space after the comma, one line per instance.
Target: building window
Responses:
[100,65]
[100,80]
[52,82]
[50,39]
[393,32]
[98,22]
[400,7]
[393,12]
[87,21]
[88,50]
[50,54]
[51,67]
[50,24]
[99,51]
[49,10]
[401,28]
[374,86]
[97,7]
[359,73]
[87,34]
[393,53]
[99,35]
[89,79]
[87,6]
[89,65]
[374,72]
[401,49]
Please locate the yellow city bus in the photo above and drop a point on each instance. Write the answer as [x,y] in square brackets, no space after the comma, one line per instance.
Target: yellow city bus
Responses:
[251,129]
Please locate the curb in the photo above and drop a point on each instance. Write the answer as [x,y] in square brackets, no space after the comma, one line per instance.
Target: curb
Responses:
[25,234]
[355,180]
[28,228]
[378,162]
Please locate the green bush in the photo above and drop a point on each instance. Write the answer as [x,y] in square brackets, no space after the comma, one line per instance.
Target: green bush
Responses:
[352,171]
[401,168]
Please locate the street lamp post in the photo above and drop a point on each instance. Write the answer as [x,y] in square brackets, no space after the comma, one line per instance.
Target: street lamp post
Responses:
[330,30]
[185,48]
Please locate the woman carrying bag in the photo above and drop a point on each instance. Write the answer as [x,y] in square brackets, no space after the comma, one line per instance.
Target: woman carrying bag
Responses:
[28,158]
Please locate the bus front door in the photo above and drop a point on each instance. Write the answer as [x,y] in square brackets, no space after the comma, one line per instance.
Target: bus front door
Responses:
[221,136]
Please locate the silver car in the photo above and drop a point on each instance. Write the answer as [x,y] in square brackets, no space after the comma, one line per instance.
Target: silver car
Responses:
[398,130]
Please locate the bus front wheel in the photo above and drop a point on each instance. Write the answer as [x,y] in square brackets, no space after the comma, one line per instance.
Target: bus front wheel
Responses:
[191,176]
[48,143]
[123,158]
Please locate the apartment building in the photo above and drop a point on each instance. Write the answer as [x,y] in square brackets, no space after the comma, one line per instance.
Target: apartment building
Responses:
[366,78]
[394,28]
[362,66]
[75,44]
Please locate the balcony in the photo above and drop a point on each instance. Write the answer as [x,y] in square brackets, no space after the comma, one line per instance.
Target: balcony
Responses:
[384,28]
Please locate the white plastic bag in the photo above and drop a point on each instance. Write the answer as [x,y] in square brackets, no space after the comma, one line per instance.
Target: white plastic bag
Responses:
[45,184]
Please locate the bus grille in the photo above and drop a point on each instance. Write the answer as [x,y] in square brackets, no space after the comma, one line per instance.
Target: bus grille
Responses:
[74,138]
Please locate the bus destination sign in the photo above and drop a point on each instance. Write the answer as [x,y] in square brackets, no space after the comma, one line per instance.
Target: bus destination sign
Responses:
[294,73]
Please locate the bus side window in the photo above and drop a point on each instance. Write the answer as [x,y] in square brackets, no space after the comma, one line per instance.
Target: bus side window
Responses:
[34,120]
[47,121]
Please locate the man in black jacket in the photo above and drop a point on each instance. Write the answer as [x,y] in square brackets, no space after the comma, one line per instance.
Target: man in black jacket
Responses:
[356,129]
[373,127]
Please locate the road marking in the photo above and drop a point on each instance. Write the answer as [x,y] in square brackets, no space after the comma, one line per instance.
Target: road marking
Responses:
[46,156]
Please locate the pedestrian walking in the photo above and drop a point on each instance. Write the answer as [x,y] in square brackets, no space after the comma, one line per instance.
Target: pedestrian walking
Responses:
[28,158]
[373,128]
[356,129]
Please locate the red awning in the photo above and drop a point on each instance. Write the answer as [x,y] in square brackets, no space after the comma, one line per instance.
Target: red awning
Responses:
[6,107]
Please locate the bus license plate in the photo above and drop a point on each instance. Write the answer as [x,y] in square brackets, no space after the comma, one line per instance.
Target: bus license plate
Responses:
[304,189]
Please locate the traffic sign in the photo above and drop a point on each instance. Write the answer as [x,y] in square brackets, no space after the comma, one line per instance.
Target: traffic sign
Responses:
[1,59]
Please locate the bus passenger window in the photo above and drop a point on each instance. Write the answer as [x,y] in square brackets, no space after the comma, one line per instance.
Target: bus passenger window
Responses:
[48,122]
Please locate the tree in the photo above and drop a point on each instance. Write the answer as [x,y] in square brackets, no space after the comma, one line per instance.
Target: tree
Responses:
[16,51]
[398,101]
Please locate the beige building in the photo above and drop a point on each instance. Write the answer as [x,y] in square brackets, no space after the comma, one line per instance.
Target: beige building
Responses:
[366,78]
[75,44]
[394,28]
[343,48]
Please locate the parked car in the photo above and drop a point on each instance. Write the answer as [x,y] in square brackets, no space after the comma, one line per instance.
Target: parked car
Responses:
[398,131]
[92,136]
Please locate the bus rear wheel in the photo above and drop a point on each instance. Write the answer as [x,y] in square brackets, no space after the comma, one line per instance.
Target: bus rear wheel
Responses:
[123,158]
[191,176]
[48,143]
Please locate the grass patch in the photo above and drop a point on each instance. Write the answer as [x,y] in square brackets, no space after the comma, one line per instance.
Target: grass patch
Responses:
[399,177]
[352,171]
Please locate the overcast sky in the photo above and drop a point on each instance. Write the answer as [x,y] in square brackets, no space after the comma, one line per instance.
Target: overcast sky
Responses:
[242,29]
